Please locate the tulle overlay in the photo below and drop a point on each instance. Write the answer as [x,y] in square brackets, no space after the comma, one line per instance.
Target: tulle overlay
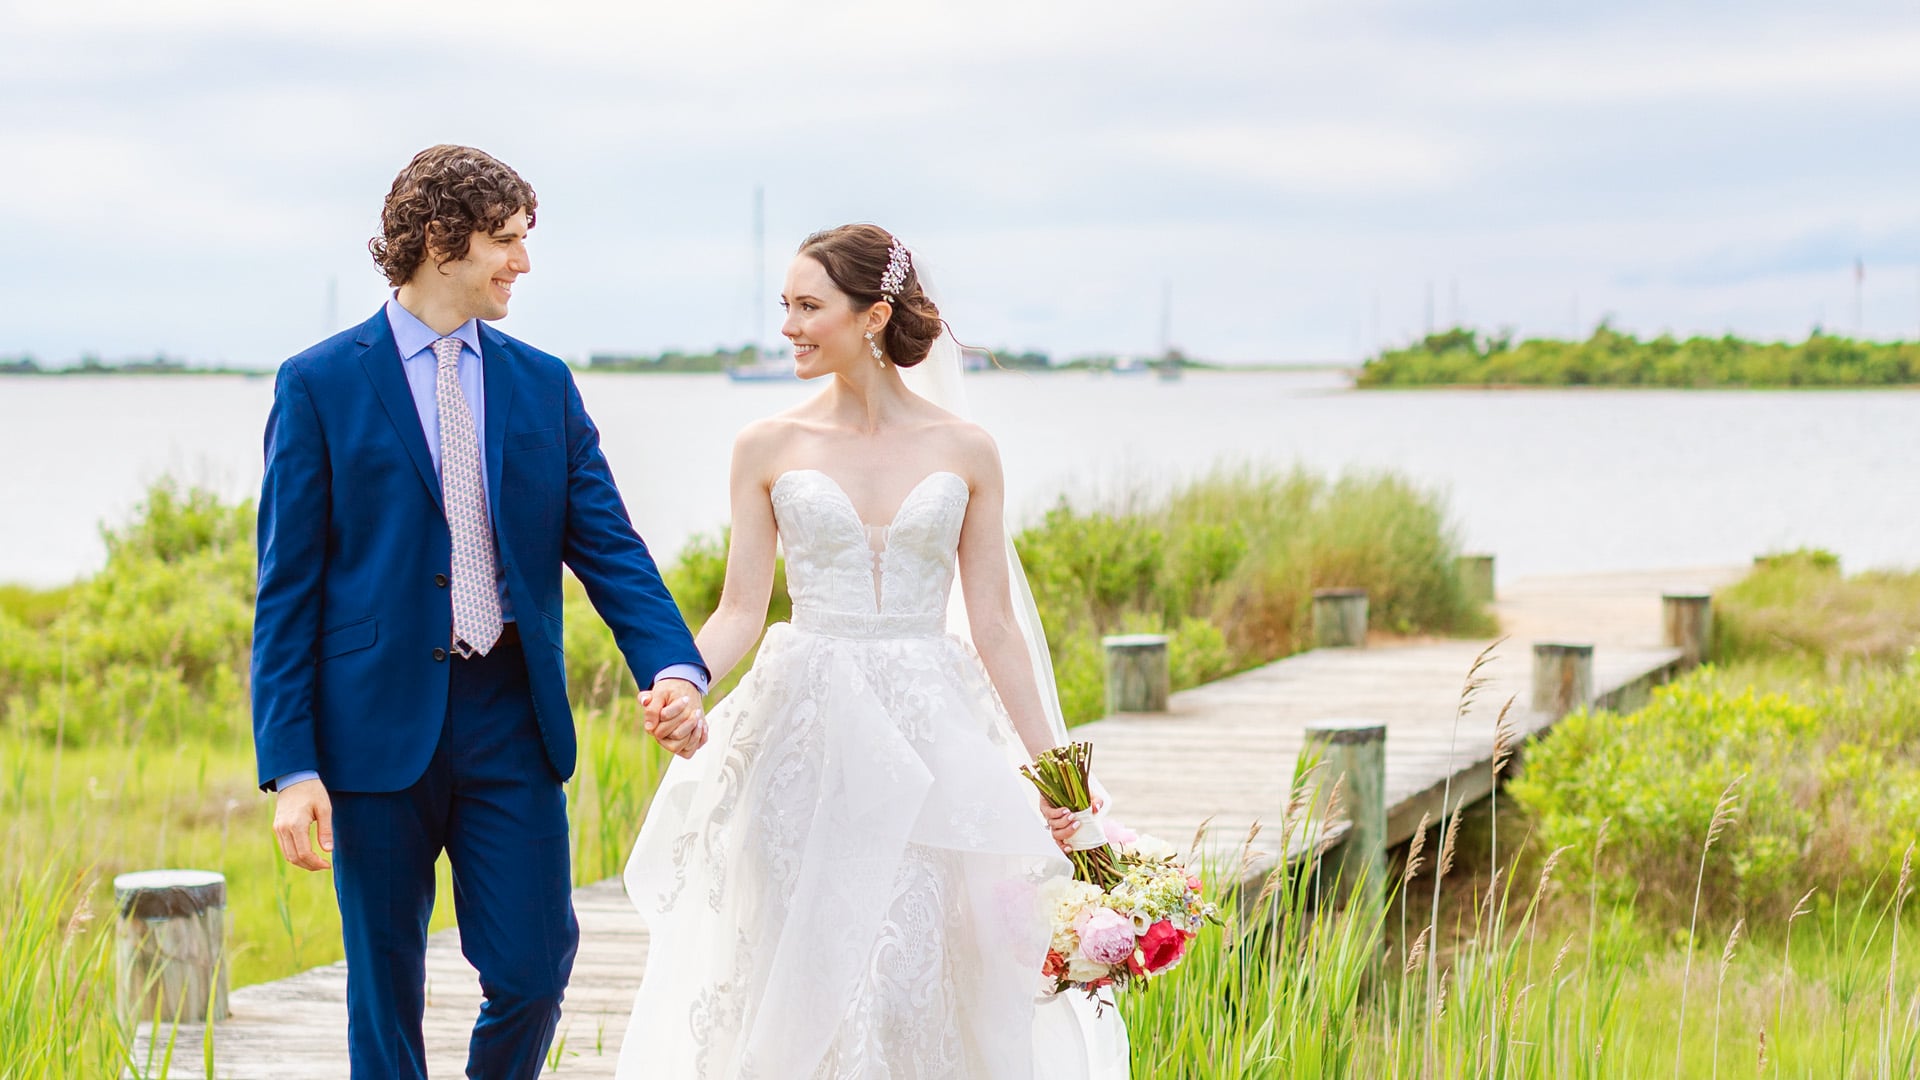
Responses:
[843,882]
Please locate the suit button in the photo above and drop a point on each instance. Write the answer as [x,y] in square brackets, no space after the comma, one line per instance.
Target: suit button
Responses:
[440,580]
[439,654]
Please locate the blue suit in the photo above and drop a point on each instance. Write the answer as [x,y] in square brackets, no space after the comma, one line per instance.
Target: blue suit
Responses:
[422,750]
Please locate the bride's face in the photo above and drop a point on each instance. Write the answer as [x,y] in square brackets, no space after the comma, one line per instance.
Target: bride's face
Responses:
[827,331]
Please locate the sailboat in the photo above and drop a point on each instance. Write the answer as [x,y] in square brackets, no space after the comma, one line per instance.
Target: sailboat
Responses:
[777,366]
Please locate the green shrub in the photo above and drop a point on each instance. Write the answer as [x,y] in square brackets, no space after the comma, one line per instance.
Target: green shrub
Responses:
[156,644]
[1829,786]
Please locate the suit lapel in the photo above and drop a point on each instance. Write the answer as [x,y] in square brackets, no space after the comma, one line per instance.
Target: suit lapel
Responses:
[497,378]
[380,358]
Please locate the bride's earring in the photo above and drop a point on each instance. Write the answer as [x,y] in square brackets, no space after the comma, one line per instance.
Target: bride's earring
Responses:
[878,358]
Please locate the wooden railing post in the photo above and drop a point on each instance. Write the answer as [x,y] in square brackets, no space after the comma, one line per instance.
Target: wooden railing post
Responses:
[1476,577]
[170,959]
[1339,618]
[1137,674]
[1689,625]
[1562,678]
[1353,757]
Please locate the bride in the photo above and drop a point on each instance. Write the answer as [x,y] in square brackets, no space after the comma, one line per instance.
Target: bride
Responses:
[844,884]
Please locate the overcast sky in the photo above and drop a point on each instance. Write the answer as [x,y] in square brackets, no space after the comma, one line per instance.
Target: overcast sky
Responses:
[192,177]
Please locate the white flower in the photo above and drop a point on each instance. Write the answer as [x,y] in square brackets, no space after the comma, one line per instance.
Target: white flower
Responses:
[1063,896]
[1151,848]
[1081,969]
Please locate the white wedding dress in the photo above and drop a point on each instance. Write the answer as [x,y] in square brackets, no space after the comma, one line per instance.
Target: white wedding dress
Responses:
[843,882]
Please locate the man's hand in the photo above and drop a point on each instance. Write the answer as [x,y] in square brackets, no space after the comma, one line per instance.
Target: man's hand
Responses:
[674,716]
[296,810]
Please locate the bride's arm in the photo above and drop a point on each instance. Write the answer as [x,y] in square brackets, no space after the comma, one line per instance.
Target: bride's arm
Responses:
[742,614]
[987,590]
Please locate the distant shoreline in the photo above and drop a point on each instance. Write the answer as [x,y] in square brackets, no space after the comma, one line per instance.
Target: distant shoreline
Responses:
[256,373]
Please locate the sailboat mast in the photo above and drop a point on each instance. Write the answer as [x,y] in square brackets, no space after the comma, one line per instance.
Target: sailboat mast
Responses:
[759,323]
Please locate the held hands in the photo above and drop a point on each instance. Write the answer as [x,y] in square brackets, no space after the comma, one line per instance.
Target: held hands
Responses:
[296,810]
[674,716]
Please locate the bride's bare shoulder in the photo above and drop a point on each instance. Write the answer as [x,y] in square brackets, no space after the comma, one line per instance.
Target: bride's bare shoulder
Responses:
[762,443]
[969,444]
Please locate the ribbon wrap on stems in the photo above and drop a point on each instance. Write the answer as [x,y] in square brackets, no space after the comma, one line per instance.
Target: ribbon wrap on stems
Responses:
[1089,834]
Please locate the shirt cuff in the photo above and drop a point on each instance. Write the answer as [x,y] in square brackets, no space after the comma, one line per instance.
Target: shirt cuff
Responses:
[292,778]
[693,673]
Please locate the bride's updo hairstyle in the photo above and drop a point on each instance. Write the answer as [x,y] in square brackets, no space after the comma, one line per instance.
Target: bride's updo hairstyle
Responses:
[856,258]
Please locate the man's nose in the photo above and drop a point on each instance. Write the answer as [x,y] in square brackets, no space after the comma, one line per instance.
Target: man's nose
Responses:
[520,262]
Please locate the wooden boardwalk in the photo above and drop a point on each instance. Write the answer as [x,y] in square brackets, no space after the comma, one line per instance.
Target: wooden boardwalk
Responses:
[1225,750]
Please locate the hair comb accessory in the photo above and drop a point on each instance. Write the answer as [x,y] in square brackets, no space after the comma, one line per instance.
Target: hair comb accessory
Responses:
[899,265]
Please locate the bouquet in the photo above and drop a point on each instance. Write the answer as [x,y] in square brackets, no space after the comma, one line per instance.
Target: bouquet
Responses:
[1130,911]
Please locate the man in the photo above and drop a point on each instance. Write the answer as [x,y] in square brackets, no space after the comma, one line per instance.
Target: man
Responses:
[426,477]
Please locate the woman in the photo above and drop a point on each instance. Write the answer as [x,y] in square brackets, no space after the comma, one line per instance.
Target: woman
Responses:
[843,884]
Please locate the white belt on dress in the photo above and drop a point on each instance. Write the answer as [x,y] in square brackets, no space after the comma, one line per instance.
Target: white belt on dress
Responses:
[869,625]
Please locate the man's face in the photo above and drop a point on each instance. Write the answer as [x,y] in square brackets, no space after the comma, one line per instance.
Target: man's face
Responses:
[481,284]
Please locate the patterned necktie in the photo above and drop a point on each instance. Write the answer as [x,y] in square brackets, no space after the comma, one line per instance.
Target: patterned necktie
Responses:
[476,593]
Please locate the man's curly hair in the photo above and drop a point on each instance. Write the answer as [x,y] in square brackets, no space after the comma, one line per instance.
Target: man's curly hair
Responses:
[445,195]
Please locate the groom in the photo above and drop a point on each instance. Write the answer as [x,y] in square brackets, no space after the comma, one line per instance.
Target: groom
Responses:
[426,477]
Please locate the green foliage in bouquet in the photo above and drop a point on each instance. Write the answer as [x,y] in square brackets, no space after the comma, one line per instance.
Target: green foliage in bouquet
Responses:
[1062,774]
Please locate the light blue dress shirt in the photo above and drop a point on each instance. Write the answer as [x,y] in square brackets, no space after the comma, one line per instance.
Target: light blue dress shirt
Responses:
[415,340]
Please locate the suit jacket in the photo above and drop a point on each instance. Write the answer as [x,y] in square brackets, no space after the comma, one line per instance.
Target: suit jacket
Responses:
[354,618]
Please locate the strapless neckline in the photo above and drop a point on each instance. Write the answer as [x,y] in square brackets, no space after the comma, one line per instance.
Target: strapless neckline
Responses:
[847,500]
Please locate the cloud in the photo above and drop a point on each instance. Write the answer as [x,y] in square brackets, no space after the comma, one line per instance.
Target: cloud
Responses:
[1302,174]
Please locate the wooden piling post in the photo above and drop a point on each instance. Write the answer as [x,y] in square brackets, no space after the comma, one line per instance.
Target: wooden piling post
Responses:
[1353,757]
[1562,678]
[1689,624]
[1476,577]
[171,952]
[1339,618]
[1137,675]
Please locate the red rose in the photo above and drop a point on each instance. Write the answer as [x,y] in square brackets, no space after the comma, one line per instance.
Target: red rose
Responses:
[1160,948]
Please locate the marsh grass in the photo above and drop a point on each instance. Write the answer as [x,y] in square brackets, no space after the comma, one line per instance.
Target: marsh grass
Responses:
[1799,605]
[1226,565]
[56,978]
[1537,981]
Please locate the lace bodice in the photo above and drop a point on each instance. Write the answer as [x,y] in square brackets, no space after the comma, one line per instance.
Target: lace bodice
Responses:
[838,564]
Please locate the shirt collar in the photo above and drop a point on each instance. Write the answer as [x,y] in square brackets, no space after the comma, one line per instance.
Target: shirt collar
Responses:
[412,336]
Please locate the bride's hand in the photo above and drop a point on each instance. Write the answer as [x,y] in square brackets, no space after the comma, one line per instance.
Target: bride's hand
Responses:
[674,717]
[1060,821]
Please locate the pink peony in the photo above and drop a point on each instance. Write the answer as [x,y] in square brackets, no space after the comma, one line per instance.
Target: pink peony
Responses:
[1118,833]
[1106,936]
[1161,947]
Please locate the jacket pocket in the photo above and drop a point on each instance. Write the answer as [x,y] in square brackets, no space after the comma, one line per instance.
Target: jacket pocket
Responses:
[350,637]
[532,440]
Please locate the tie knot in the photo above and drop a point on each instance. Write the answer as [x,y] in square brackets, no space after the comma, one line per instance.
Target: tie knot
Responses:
[447,350]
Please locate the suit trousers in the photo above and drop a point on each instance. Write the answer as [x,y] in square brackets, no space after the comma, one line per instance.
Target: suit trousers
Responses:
[490,800]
